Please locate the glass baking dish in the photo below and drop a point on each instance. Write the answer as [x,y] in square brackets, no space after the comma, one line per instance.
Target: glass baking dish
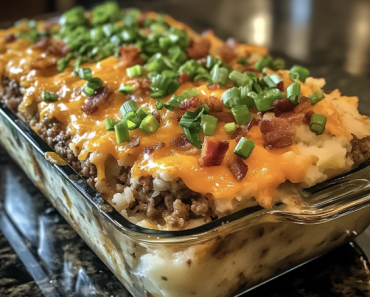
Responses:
[221,258]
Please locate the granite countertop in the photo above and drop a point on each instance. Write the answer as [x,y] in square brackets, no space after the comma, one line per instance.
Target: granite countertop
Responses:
[41,255]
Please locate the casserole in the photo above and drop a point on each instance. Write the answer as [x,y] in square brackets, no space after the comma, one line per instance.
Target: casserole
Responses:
[177,262]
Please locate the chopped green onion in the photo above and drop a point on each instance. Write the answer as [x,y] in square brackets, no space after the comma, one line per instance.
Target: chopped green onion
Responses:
[207,109]
[109,124]
[128,107]
[125,89]
[265,100]
[294,76]
[317,123]
[92,85]
[159,104]
[193,135]
[241,114]
[257,88]
[219,76]
[85,73]
[263,62]
[208,124]
[316,97]
[239,78]
[242,61]
[231,98]
[149,124]
[157,95]
[187,94]
[294,93]
[244,96]
[133,120]
[49,97]
[134,71]
[230,128]
[302,72]
[272,80]
[122,132]
[172,104]
[252,75]
[244,148]
[212,61]
[63,62]
[190,119]
[278,64]
[142,112]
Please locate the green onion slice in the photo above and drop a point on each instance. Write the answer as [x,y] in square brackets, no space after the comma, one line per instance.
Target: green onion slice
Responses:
[245,97]
[317,123]
[142,112]
[241,114]
[134,71]
[109,124]
[212,61]
[316,97]
[244,148]
[208,124]
[231,98]
[219,76]
[129,107]
[242,61]
[149,124]
[265,100]
[122,132]
[193,135]
[49,97]
[272,80]
[85,73]
[159,104]
[294,93]
[125,89]
[230,128]
[263,62]
[302,72]
[239,78]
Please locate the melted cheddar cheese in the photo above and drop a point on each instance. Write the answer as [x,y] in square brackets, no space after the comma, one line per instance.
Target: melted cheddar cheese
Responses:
[268,168]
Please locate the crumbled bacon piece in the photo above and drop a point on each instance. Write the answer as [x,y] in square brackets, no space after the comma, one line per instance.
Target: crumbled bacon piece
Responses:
[157,115]
[303,105]
[227,53]
[190,103]
[213,151]
[182,141]
[238,132]
[223,116]
[10,38]
[277,132]
[135,141]
[93,102]
[150,149]
[58,48]
[41,44]
[213,86]
[243,130]
[292,116]
[237,167]
[198,49]
[130,55]
[280,86]
[307,117]
[283,105]
[215,104]
[41,63]
[184,77]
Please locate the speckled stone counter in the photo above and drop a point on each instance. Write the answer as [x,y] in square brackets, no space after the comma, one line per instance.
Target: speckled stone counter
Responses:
[41,255]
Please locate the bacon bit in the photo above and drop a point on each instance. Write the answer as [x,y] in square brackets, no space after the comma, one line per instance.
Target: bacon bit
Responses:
[190,104]
[157,115]
[130,55]
[58,48]
[238,133]
[198,49]
[292,116]
[243,130]
[213,87]
[141,83]
[184,77]
[40,63]
[214,103]
[93,102]
[237,167]
[277,132]
[41,44]
[150,149]
[223,116]
[10,38]
[280,86]
[182,141]
[227,53]
[307,117]
[282,106]
[135,141]
[213,152]
[303,105]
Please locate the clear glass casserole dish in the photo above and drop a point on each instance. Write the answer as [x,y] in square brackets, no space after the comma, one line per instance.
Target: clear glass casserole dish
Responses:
[221,258]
